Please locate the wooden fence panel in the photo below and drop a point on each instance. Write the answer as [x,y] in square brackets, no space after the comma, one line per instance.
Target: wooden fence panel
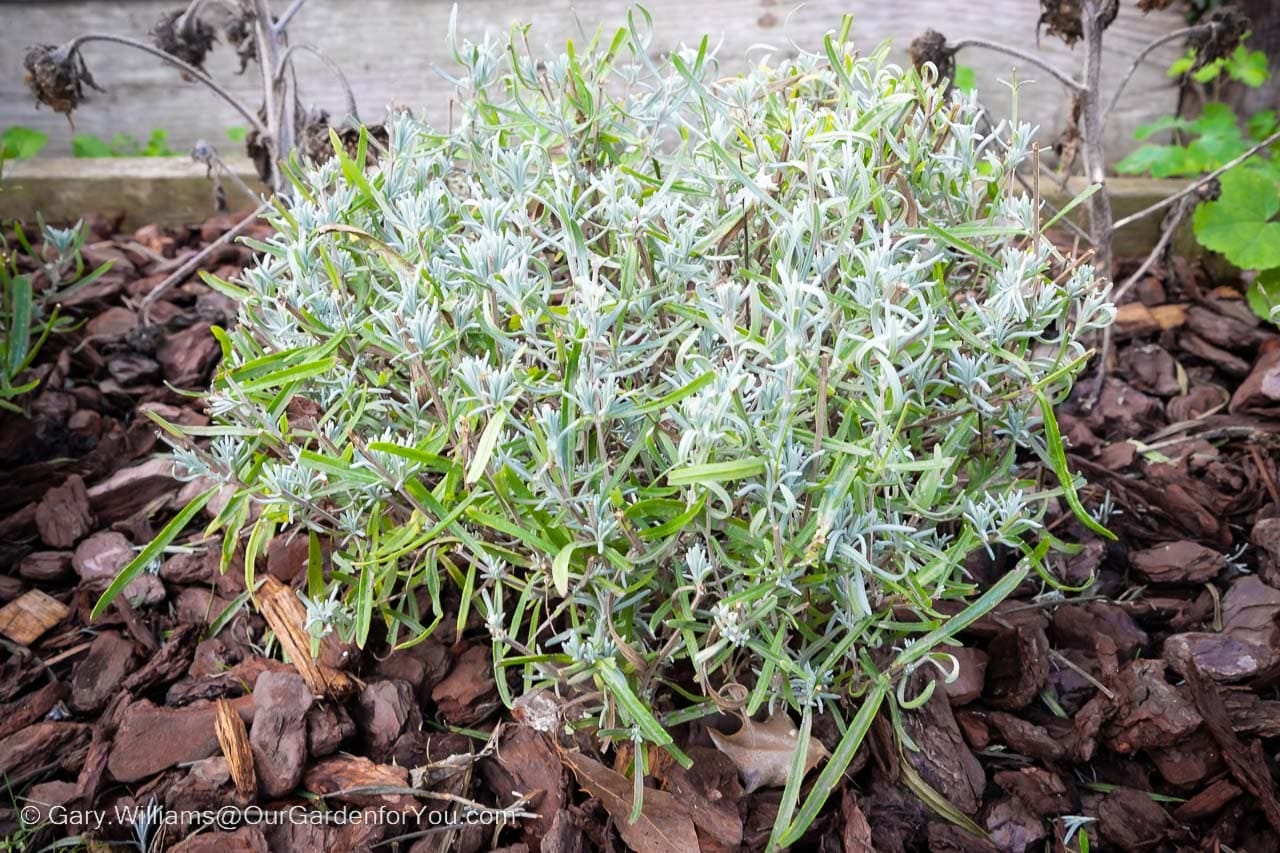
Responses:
[388,48]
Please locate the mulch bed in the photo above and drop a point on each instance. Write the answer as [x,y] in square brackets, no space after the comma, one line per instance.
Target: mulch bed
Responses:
[1145,709]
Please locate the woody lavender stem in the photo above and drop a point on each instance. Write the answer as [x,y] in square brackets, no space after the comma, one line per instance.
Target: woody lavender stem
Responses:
[276,97]
[1095,165]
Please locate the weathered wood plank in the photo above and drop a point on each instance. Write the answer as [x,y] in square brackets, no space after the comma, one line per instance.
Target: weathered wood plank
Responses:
[388,47]
[165,190]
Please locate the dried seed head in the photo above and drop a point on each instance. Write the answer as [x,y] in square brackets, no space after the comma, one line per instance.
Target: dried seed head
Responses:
[190,42]
[1062,18]
[239,33]
[257,150]
[1211,191]
[1218,36]
[315,146]
[932,47]
[1067,146]
[57,77]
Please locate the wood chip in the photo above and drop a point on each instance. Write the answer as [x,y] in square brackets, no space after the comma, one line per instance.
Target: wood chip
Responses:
[233,737]
[25,619]
[285,614]
[1134,319]
[1248,766]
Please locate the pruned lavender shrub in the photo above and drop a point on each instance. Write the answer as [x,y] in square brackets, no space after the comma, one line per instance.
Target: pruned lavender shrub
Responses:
[701,389]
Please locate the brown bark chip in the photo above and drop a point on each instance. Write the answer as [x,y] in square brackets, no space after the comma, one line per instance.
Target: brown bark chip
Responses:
[1018,668]
[944,760]
[525,764]
[97,676]
[279,733]
[1246,764]
[1208,802]
[63,517]
[385,710]
[170,662]
[189,356]
[131,489]
[1151,712]
[23,712]
[46,567]
[345,778]
[468,694]
[42,746]
[151,739]
[1178,562]
[1131,820]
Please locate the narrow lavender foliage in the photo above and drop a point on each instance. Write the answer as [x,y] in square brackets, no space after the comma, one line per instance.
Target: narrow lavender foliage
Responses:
[704,380]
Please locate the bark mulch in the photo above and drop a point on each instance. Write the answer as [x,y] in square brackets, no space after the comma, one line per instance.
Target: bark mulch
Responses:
[1142,711]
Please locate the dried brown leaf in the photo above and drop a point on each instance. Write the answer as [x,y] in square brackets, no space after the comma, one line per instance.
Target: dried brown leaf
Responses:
[664,825]
[763,751]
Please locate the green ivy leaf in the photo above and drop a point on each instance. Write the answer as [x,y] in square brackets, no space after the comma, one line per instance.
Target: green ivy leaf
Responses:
[1238,225]
[87,145]
[1216,119]
[1160,161]
[1182,64]
[1264,295]
[1209,71]
[1248,66]
[1161,124]
[1261,125]
[1213,152]
[18,142]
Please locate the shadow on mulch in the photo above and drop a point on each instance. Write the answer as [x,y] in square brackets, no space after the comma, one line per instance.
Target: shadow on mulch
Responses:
[1142,712]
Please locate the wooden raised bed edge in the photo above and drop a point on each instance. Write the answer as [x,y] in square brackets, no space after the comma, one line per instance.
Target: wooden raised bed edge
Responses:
[177,191]
[161,190]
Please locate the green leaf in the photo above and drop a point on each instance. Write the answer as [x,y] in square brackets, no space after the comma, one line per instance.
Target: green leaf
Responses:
[153,550]
[87,145]
[1248,66]
[237,133]
[1239,224]
[484,449]
[18,336]
[1209,71]
[1261,125]
[364,605]
[1182,64]
[715,472]
[1264,295]
[1145,131]
[833,772]
[975,610]
[1058,461]
[560,569]
[635,711]
[19,143]
[1160,161]
[966,79]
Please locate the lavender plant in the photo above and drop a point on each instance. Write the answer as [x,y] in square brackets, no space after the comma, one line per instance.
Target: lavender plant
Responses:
[700,389]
